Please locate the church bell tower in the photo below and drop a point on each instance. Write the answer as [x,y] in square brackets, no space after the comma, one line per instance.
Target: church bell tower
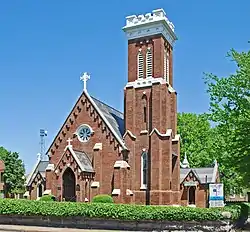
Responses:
[150,110]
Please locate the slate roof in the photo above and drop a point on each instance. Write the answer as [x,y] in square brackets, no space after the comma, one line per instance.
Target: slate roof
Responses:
[114,116]
[201,173]
[84,160]
[41,167]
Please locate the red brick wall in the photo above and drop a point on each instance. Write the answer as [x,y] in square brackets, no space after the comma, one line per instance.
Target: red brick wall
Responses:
[84,113]
[161,114]
[201,196]
[2,166]
[157,44]
[37,180]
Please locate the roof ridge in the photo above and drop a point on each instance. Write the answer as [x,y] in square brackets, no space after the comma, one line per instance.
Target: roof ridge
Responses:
[107,105]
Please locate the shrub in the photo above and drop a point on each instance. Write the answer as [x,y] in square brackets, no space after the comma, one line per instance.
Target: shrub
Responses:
[102,199]
[115,211]
[47,198]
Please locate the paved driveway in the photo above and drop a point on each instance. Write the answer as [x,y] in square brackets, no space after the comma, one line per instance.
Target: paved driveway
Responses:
[15,228]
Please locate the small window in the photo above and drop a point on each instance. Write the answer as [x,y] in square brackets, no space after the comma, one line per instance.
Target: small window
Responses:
[140,65]
[149,63]
[145,114]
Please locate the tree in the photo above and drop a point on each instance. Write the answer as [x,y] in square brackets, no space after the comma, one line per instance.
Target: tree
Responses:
[230,110]
[204,144]
[196,139]
[14,171]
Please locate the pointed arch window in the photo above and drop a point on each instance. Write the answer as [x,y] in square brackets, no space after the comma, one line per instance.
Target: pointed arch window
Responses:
[145,111]
[140,64]
[149,60]
[166,65]
[144,169]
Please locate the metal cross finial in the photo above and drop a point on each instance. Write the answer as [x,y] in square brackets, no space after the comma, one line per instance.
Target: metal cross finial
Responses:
[85,77]
[69,141]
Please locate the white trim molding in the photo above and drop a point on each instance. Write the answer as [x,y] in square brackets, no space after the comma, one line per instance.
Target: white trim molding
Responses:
[167,134]
[50,167]
[95,184]
[121,164]
[116,192]
[129,192]
[145,82]
[97,146]
[47,192]
[128,132]
[150,24]
[144,132]
[176,138]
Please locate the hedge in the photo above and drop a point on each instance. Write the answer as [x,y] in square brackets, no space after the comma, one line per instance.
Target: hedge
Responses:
[115,211]
[47,198]
[102,199]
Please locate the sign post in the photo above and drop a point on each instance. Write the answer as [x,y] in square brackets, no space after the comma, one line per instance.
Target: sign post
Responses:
[216,195]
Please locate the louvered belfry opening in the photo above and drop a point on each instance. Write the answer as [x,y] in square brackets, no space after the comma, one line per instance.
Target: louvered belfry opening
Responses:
[140,64]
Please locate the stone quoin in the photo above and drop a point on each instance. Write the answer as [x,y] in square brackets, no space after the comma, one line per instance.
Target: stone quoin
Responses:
[133,156]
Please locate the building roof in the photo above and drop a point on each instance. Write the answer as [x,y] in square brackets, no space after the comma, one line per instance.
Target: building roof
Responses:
[114,116]
[39,167]
[205,175]
[84,160]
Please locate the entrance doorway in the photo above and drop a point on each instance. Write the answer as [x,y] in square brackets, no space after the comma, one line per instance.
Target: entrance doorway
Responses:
[191,195]
[39,190]
[69,185]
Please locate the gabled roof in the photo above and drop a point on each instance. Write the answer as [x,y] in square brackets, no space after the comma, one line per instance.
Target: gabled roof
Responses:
[83,159]
[205,175]
[106,121]
[114,116]
[80,157]
[111,117]
[40,167]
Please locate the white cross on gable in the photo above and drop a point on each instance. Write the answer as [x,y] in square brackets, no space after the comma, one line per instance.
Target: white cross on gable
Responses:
[69,141]
[85,77]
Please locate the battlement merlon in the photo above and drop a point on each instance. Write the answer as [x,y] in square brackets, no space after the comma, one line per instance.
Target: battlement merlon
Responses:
[150,24]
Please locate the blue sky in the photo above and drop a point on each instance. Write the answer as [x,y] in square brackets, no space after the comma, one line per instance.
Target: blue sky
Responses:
[45,45]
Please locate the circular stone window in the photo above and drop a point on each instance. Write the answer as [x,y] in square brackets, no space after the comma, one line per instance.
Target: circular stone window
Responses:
[84,133]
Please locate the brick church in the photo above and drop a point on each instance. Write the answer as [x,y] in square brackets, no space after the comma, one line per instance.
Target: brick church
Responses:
[133,156]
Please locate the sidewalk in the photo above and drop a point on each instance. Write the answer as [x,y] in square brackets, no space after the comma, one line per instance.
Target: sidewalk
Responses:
[17,228]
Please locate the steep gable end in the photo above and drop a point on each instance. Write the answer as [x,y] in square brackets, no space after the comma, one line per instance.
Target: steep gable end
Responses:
[39,167]
[111,119]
